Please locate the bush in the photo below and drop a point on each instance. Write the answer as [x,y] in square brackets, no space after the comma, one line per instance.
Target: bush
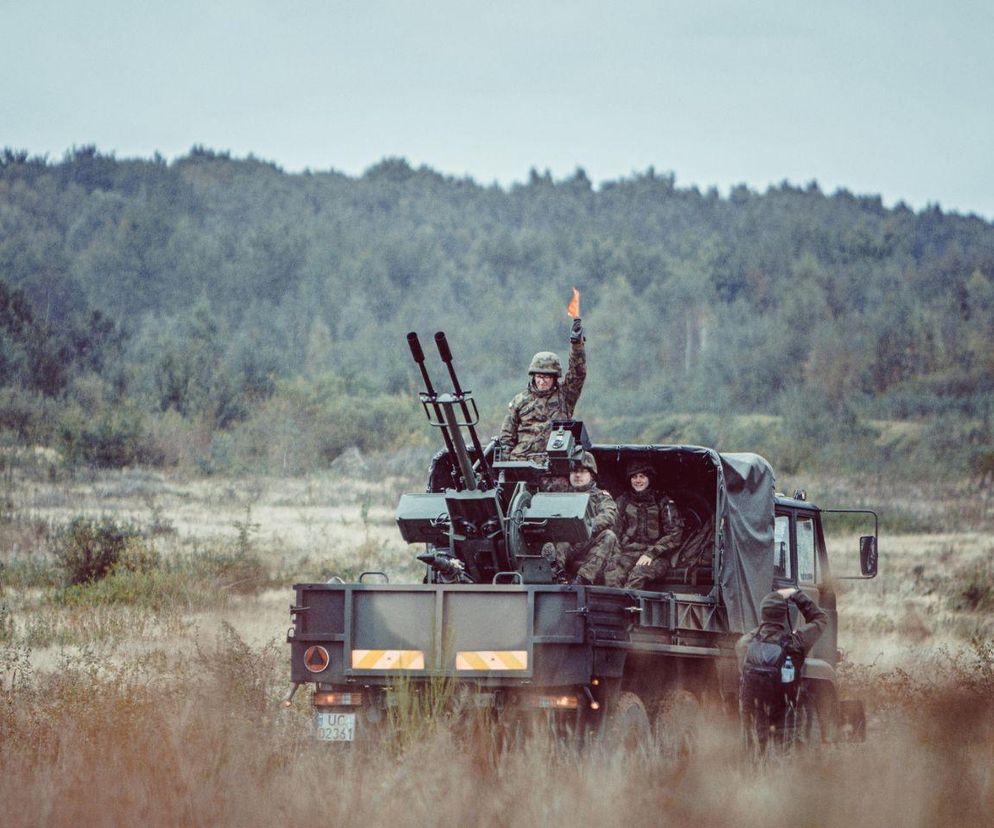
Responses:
[89,550]
[113,439]
[975,590]
[156,590]
[233,570]
[26,414]
[306,424]
[29,572]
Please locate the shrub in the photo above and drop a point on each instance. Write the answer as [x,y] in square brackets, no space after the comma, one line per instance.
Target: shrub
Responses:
[114,438]
[157,590]
[6,624]
[89,550]
[975,590]
[26,415]
[305,425]
[234,570]
[29,571]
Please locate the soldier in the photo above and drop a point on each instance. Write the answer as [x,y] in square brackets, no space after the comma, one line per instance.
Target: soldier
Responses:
[528,423]
[770,659]
[583,563]
[650,529]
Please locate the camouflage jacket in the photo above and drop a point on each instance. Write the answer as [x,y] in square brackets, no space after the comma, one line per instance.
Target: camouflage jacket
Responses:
[603,508]
[649,522]
[800,641]
[528,423]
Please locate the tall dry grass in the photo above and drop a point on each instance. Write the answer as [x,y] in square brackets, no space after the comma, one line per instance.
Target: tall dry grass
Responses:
[202,740]
[153,696]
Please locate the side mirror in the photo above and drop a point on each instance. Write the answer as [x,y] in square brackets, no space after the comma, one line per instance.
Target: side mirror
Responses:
[868,556]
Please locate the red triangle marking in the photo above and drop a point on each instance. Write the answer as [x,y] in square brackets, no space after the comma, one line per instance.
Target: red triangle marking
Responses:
[315,657]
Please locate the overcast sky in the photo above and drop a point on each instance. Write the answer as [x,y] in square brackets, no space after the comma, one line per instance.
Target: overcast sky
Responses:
[878,97]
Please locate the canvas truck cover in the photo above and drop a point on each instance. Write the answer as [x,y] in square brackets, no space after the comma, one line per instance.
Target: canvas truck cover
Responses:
[747,517]
[740,487]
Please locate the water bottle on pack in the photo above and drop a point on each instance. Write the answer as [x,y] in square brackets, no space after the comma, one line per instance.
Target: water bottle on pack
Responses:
[787,671]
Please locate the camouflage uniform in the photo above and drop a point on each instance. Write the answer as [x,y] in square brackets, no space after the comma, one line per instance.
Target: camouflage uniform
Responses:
[587,560]
[649,524]
[528,423]
[763,715]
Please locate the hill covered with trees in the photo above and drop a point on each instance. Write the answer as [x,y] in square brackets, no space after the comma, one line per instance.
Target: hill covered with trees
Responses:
[221,313]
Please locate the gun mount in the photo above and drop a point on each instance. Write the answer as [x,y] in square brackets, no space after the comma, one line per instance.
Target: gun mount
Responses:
[494,520]
[491,618]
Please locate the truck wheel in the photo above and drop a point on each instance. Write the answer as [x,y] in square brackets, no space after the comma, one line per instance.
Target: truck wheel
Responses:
[677,723]
[516,728]
[852,720]
[482,735]
[627,727]
[818,714]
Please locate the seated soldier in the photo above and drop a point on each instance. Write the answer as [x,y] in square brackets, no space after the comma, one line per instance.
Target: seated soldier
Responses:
[583,563]
[650,529]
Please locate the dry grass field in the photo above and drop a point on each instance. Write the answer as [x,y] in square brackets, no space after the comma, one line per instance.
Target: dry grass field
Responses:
[153,696]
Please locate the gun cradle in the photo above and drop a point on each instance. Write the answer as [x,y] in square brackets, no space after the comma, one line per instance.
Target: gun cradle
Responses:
[435,518]
[557,516]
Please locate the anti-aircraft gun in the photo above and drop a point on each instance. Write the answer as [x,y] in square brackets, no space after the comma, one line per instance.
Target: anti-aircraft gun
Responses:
[494,622]
[491,524]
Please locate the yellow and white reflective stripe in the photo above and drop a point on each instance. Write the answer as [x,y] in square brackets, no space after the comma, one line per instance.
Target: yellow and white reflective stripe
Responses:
[388,660]
[492,660]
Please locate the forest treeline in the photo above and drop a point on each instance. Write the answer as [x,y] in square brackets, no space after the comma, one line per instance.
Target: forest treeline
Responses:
[222,314]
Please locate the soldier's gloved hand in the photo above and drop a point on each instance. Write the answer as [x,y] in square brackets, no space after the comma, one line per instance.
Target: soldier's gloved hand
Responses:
[643,560]
[576,332]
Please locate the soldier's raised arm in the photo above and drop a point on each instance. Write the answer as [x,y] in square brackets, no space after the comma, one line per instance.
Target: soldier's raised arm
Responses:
[577,371]
[815,617]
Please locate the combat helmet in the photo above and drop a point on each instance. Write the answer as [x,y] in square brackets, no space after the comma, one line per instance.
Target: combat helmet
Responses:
[546,362]
[586,460]
[637,467]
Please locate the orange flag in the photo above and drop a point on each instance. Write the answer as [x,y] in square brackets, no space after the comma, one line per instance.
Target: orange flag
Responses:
[573,308]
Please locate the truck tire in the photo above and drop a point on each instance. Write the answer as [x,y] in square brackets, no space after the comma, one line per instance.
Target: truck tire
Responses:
[852,720]
[627,726]
[677,723]
[514,729]
[482,736]
[818,714]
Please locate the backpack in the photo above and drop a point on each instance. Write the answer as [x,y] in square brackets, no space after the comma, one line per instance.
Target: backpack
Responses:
[761,668]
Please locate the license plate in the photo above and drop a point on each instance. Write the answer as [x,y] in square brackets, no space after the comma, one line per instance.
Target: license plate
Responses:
[334,727]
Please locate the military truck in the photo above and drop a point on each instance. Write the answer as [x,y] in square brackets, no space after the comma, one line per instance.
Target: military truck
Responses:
[492,623]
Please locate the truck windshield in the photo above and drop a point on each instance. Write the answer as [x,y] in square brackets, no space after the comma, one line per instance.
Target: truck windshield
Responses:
[805,549]
[781,547]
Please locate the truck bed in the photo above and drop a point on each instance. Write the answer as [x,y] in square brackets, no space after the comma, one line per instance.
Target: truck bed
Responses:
[493,635]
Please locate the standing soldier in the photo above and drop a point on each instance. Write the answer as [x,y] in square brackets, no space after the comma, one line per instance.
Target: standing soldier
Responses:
[770,659]
[528,423]
[583,563]
[650,529]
